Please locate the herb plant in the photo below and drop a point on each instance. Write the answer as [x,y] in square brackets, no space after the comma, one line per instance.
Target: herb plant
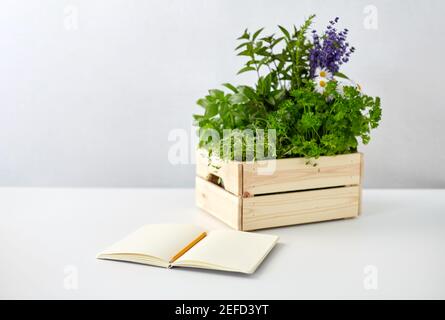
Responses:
[300,92]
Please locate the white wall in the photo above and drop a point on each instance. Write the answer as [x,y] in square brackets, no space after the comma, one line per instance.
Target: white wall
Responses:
[89,90]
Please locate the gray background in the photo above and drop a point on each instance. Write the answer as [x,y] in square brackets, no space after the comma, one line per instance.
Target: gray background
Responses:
[90,90]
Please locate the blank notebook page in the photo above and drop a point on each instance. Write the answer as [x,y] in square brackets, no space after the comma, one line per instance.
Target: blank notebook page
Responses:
[235,250]
[158,240]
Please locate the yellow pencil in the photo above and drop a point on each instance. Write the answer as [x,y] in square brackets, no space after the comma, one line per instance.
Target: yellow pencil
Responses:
[188,247]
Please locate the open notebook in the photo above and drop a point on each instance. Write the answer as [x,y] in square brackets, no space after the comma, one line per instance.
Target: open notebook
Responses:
[170,245]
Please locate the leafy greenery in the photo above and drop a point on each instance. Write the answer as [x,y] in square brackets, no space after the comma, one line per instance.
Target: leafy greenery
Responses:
[284,98]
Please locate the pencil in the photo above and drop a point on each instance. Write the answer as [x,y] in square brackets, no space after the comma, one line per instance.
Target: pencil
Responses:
[188,247]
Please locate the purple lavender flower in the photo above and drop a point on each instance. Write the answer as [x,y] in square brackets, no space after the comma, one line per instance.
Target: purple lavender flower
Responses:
[330,50]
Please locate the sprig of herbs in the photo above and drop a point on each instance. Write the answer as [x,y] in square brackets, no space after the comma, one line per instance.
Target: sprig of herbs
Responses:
[308,123]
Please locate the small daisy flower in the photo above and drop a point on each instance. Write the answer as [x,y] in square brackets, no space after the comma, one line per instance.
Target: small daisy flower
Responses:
[320,84]
[323,73]
[340,87]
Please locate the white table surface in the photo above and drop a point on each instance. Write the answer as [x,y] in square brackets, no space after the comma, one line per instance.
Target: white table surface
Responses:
[49,239]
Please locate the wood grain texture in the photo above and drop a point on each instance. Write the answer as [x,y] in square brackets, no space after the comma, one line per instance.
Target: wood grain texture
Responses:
[362,171]
[220,203]
[295,174]
[300,207]
[229,171]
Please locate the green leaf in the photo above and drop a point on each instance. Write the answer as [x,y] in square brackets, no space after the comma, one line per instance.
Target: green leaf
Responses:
[238,98]
[268,39]
[295,31]
[279,94]
[242,45]
[263,52]
[211,110]
[248,92]
[245,35]
[245,69]
[202,102]
[216,93]
[341,75]
[285,32]
[256,34]
[247,53]
[252,62]
[230,86]
[276,41]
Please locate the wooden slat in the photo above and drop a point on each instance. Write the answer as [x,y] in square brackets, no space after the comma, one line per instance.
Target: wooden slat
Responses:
[295,174]
[300,207]
[362,170]
[220,203]
[229,171]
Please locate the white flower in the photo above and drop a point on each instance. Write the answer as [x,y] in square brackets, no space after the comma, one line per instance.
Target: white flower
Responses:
[340,86]
[320,84]
[323,73]
[342,83]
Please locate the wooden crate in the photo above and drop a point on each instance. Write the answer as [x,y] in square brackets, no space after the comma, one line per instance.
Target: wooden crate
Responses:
[294,192]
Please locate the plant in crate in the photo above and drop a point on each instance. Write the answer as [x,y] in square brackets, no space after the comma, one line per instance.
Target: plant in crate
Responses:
[314,110]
